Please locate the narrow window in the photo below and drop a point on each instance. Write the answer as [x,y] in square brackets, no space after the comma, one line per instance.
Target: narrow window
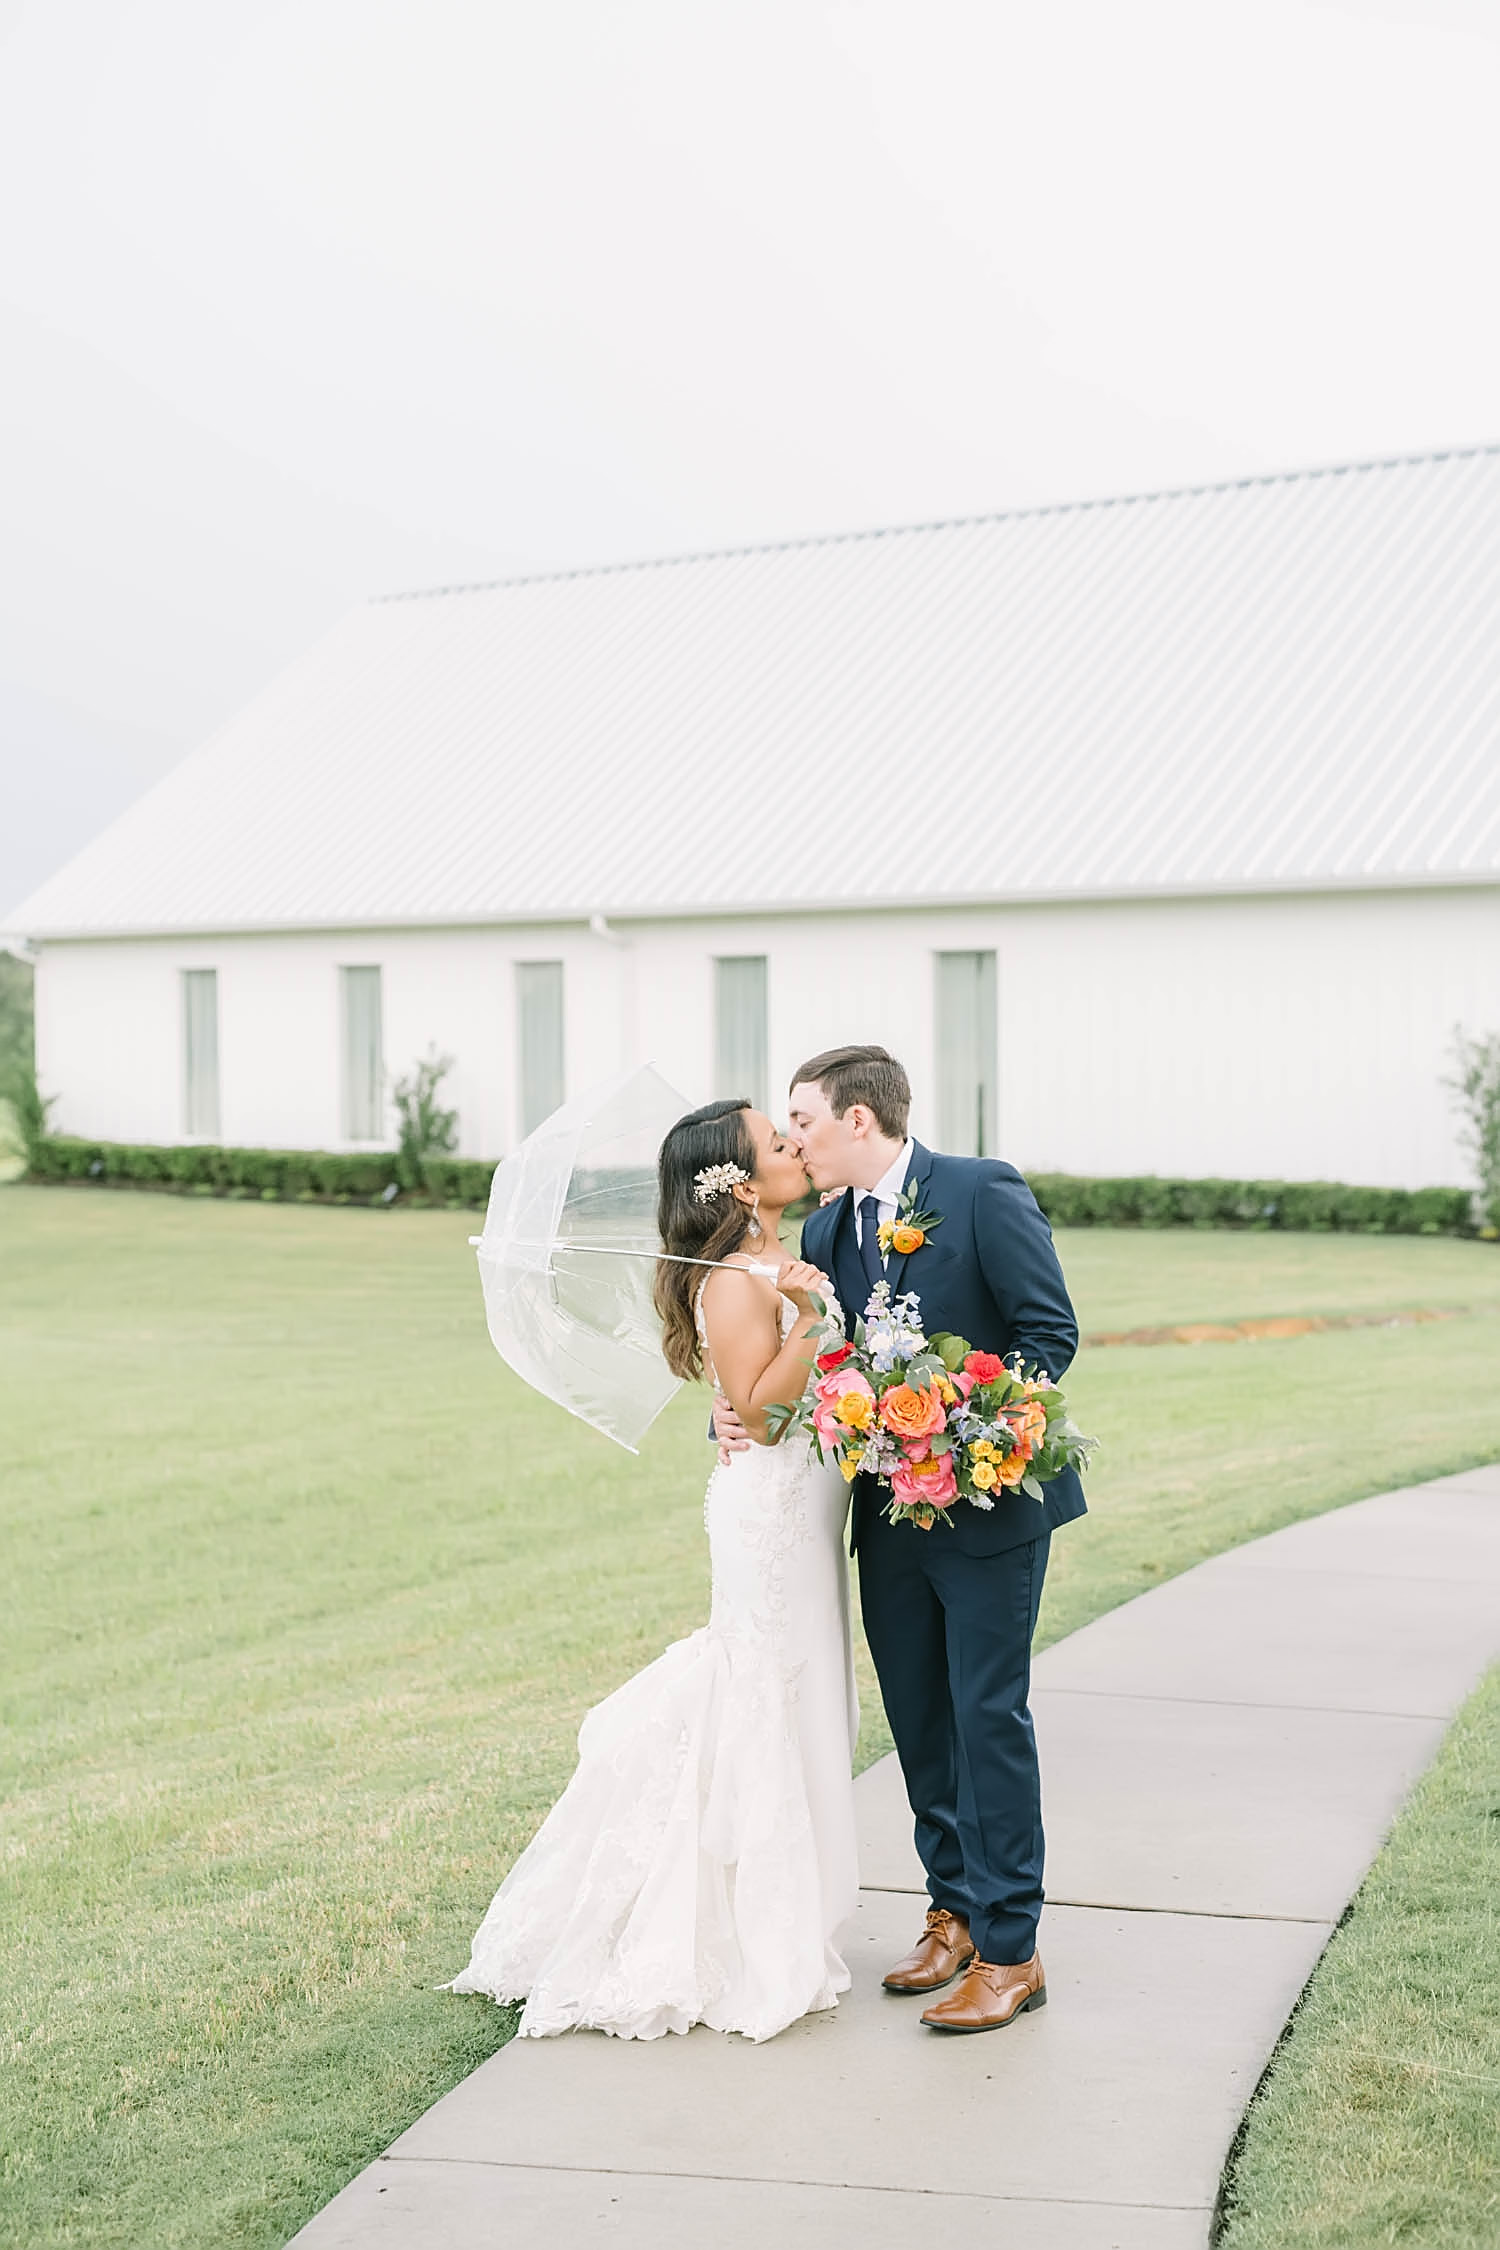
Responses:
[200,1054]
[740,1027]
[968,1093]
[364,1058]
[539,1010]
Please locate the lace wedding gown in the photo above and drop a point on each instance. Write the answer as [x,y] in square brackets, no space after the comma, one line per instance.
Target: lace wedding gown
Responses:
[701,1859]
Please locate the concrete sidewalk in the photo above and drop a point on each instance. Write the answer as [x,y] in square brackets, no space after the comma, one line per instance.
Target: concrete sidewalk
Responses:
[1222,1759]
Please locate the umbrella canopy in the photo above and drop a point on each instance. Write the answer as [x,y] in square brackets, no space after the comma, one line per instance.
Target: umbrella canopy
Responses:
[568,1253]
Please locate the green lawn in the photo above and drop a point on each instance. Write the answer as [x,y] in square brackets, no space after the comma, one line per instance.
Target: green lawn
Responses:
[1394,2057]
[307,1596]
[1120,1279]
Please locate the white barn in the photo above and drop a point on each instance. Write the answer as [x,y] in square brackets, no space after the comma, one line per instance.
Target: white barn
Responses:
[1157,834]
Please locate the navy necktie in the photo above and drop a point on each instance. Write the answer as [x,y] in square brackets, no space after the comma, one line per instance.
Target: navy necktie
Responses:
[869,1239]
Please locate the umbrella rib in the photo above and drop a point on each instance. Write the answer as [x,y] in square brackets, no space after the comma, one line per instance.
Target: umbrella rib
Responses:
[619,1250]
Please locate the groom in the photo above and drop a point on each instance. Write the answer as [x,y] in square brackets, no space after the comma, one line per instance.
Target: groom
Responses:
[949,1614]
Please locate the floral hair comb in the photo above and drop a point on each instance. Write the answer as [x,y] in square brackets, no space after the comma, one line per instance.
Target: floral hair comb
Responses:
[716,1179]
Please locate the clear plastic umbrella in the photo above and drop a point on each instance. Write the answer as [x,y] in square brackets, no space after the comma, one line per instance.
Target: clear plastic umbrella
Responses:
[568,1253]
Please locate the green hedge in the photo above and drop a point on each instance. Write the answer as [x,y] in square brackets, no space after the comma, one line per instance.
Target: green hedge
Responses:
[378,1176]
[273,1174]
[1299,1206]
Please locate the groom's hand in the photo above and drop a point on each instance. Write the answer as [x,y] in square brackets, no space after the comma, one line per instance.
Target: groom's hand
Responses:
[729,1430]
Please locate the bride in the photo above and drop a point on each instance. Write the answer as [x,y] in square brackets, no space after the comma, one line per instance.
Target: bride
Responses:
[699,1863]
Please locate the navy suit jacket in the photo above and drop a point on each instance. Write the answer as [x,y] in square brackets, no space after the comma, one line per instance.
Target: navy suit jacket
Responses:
[988,1272]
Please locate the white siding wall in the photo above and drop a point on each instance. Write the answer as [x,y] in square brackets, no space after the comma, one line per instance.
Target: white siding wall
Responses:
[1296,1036]
[109,1034]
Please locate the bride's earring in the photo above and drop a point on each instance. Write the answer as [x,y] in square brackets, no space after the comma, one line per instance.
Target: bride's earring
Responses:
[755,1230]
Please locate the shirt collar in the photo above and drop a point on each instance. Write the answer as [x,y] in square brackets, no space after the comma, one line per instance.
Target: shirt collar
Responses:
[888,1189]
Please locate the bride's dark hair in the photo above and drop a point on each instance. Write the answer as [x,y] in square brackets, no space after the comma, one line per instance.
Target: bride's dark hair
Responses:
[717,1134]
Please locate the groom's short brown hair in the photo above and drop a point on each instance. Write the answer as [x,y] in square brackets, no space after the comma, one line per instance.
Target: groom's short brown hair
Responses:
[861,1074]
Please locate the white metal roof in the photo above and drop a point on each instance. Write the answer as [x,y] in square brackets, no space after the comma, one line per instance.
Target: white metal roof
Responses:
[1291,681]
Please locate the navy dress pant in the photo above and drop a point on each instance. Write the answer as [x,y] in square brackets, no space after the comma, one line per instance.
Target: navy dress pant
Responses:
[951,1635]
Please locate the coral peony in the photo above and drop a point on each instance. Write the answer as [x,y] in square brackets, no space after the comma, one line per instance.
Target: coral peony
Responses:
[931,1480]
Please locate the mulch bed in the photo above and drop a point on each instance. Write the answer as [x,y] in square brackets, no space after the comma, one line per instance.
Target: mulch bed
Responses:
[1253,1331]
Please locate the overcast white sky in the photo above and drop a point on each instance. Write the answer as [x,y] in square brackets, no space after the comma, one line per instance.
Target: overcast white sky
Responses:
[313,299]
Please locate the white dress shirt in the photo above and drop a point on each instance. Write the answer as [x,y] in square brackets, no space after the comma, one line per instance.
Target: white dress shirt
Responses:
[886,1191]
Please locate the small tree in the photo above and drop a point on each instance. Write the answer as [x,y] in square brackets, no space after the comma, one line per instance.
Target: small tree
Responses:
[1476,1092]
[25,1105]
[16,1041]
[28,1106]
[424,1129]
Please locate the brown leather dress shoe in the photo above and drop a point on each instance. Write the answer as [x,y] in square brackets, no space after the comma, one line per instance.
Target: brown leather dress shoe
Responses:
[990,1996]
[944,1948]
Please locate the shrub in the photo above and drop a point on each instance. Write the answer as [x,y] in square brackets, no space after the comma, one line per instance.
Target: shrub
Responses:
[27,1106]
[425,1130]
[274,1174]
[16,1030]
[370,1175]
[1298,1206]
[1158,1205]
[458,1179]
[1476,1092]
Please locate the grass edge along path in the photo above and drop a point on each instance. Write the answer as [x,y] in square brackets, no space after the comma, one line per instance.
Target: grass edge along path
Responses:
[1375,2120]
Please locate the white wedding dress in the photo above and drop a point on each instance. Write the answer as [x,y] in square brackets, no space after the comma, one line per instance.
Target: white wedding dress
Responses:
[699,1863]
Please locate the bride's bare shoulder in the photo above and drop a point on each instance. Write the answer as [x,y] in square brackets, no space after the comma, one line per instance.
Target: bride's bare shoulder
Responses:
[733,1292]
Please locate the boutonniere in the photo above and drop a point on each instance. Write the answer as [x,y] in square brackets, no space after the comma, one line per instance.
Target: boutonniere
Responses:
[910,1227]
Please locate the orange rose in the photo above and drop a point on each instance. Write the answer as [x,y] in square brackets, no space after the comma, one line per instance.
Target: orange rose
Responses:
[1033,1427]
[1013,1467]
[906,1239]
[910,1413]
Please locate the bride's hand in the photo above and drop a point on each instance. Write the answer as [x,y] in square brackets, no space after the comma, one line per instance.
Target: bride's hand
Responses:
[808,1287]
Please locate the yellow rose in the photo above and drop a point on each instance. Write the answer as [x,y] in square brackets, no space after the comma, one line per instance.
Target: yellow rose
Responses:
[849,1467]
[855,1409]
[983,1475]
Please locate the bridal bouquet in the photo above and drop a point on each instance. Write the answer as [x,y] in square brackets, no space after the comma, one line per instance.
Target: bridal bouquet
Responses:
[933,1419]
